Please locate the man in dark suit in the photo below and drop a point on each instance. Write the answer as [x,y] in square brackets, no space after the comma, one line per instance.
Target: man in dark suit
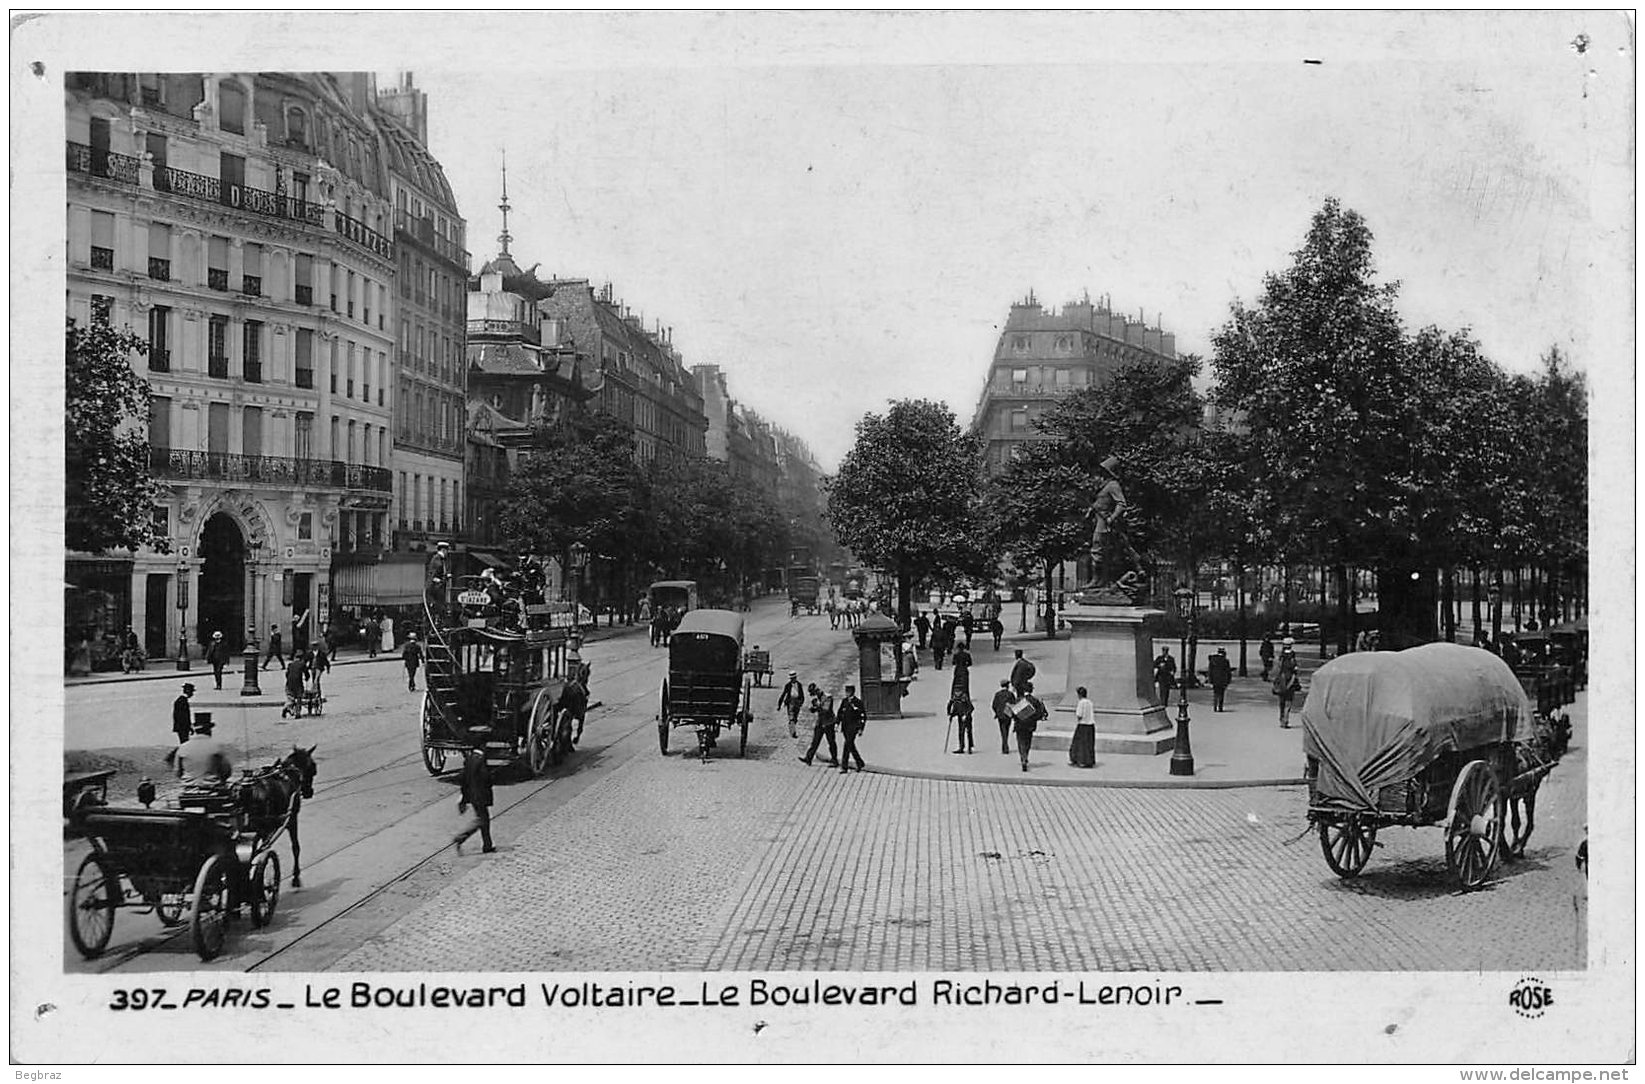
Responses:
[822,706]
[182,721]
[1022,672]
[853,716]
[1165,675]
[477,793]
[1002,712]
[1221,673]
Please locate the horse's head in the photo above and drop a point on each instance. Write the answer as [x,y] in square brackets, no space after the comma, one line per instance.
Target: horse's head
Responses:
[303,761]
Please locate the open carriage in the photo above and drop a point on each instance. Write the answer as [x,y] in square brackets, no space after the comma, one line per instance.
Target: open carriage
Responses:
[508,666]
[181,862]
[1439,734]
[707,687]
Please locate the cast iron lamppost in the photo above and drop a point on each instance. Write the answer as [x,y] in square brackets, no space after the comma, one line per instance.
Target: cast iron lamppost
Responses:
[182,613]
[579,561]
[1493,595]
[250,686]
[1182,755]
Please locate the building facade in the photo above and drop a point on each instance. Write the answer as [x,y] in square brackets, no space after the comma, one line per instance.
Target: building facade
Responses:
[236,220]
[1043,355]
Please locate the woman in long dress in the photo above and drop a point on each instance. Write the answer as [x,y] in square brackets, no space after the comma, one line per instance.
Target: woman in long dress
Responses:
[1082,751]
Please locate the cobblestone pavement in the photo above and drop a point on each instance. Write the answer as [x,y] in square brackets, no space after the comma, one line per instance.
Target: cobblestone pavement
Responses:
[765,864]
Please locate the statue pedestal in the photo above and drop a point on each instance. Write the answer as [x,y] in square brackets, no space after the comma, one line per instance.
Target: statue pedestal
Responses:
[1110,655]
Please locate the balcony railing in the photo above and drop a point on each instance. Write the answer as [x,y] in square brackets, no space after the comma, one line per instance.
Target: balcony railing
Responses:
[159,360]
[364,236]
[251,285]
[504,327]
[305,378]
[106,164]
[102,259]
[255,200]
[159,269]
[217,278]
[193,185]
[305,295]
[274,469]
[217,366]
[254,372]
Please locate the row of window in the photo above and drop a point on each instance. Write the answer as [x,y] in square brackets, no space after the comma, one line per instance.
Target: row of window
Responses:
[352,295]
[428,500]
[433,417]
[424,350]
[1052,375]
[357,370]
[351,442]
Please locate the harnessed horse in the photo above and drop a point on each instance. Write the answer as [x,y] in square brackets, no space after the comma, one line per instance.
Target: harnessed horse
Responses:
[272,797]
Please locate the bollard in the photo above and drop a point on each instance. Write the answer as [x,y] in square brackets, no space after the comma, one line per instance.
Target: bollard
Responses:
[182,652]
[1182,754]
[251,688]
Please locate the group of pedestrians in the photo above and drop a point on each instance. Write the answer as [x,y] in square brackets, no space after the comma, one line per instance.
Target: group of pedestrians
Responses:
[663,621]
[303,679]
[849,717]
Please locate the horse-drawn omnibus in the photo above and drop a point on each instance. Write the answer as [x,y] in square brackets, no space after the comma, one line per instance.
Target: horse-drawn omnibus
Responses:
[707,687]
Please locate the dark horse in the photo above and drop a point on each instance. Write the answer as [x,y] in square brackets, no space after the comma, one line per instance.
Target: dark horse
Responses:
[272,797]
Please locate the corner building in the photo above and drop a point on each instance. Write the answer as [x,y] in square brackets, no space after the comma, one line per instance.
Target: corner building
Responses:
[238,221]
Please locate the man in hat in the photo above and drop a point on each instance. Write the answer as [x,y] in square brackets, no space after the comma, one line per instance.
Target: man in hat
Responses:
[853,715]
[1286,681]
[1022,672]
[217,654]
[1266,653]
[822,706]
[1027,721]
[476,787]
[793,698]
[412,656]
[202,759]
[182,721]
[438,575]
[275,648]
[1220,672]
[1001,707]
[1165,675]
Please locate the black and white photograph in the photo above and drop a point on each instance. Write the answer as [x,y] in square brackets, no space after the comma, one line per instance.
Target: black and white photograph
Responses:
[823,536]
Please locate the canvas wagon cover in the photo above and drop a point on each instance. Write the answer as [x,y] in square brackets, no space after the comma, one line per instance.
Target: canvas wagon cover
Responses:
[1377,718]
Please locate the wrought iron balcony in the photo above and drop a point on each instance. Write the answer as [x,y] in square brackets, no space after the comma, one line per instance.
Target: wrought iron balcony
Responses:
[254,200]
[364,236]
[305,378]
[217,366]
[251,285]
[159,360]
[159,269]
[105,164]
[305,295]
[254,371]
[178,463]
[102,259]
[217,278]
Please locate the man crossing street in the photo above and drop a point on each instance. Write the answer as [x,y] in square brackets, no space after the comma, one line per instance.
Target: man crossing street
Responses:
[822,705]
[853,715]
[412,656]
[793,698]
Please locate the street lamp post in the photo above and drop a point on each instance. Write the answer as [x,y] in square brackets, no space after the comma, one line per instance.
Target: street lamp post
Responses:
[1182,755]
[249,686]
[579,561]
[182,613]
[1493,596]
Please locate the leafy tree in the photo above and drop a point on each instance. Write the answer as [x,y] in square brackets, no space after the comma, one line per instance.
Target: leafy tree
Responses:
[705,518]
[906,497]
[1035,509]
[579,484]
[109,492]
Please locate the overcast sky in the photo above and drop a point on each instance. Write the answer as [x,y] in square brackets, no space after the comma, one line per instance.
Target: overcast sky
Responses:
[840,209]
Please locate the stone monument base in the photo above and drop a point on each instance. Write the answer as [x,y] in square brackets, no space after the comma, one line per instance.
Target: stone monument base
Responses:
[1110,655]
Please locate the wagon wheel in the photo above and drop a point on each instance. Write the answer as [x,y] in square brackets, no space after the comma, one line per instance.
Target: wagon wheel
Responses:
[540,740]
[92,900]
[1347,844]
[559,736]
[434,759]
[210,913]
[663,721]
[746,714]
[1473,829]
[1521,819]
[264,888]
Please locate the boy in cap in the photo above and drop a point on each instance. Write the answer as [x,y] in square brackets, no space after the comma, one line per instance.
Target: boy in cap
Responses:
[1002,713]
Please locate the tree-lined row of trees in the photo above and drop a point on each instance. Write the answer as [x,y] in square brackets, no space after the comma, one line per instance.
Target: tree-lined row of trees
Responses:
[1336,439]
[580,485]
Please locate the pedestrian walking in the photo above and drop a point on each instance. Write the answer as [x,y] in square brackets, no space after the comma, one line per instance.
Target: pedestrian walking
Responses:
[913,657]
[374,634]
[793,698]
[1266,653]
[437,577]
[296,674]
[1026,715]
[476,793]
[202,759]
[962,672]
[853,715]
[822,706]
[182,721]
[1220,672]
[1165,675]
[922,625]
[1286,682]
[1022,673]
[1001,707]
[996,629]
[960,707]
[217,656]
[412,656]
[1082,751]
[966,623]
[274,648]
[941,642]
[322,651]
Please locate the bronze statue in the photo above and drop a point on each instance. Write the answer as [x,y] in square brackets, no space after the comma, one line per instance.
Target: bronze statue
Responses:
[1117,576]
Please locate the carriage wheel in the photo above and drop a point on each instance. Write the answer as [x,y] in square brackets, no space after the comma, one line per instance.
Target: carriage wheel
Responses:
[434,759]
[559,737]
[1473,831]
[663,722]
[92,900]
[1347,844]
[744,717]
[264,888]
[1521,819]
[540,740]
[210,913]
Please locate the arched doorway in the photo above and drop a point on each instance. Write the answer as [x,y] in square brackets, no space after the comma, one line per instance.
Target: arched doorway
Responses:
[223,581]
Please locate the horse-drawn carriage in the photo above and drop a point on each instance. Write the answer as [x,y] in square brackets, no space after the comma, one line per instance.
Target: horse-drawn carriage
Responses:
[804,591]
[509,666]
[1440,734]
[707,686]
[195,859]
